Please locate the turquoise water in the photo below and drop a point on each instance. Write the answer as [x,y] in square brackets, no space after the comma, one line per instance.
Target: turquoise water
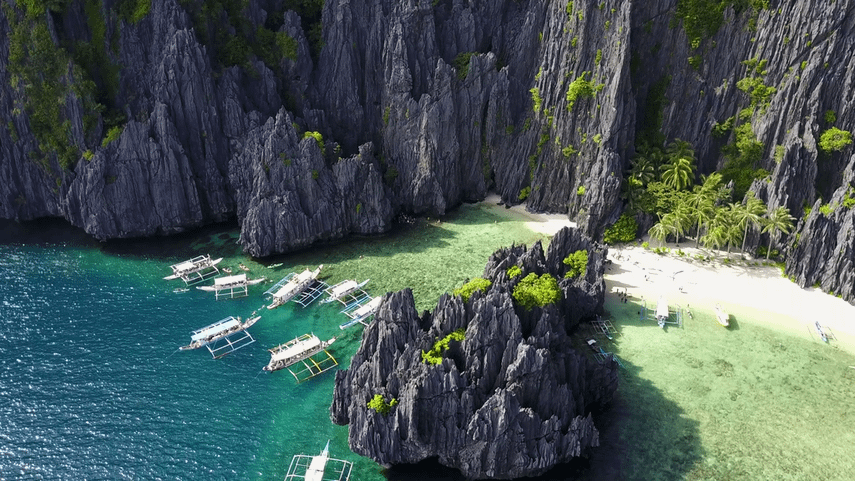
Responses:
[92,385]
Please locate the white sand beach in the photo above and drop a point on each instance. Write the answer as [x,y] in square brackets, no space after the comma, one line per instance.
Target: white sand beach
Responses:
[547,224]
[687,281]
[738,286]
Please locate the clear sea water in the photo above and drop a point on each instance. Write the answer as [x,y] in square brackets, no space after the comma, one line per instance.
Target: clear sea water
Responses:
[92,385]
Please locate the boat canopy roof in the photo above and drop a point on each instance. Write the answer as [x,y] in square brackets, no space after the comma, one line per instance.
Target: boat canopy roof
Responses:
[343,288]
[662,308]
[303,276]
[286,290]
[186,265]
[240,278]
[298,348]
[215,328]
[368,307]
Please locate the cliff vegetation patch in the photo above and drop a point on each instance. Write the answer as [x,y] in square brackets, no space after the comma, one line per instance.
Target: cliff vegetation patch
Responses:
[533,291]
[477,284]
[379,404]
[834,140]
[434,355]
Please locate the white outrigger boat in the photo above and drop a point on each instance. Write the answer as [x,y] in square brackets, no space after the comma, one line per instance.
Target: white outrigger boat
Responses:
[302,349]
[231,286]
[222,337]
[361,313]
[722,317]
[662,312]
[290,286]
[195,270]
[318,468]
[824,332]
[342,290]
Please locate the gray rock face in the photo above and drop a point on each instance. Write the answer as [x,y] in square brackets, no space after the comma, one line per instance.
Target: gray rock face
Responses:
[289,198]
[453,98]
[484,409]
[822,251]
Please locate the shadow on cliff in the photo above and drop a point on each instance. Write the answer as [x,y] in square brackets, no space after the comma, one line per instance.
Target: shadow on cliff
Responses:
[44,231]
[643,436]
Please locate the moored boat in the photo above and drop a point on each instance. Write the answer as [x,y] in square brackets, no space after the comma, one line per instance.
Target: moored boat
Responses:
[319,468]
[195,270]
[291,285]
[231,286]
[342,290]
[222,337]
[662,312]
[296,350]
[820,331]
[722,317]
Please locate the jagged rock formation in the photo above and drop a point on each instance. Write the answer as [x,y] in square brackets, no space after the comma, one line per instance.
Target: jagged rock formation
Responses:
[483,409]
[424,103]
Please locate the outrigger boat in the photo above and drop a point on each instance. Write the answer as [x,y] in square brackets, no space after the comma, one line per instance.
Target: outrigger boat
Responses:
[342,290]
[722,317]
[195,270]
[302,349]
[819,331]
[222,337]
[231,286]
[291,285]
[361,313]
[319,468]
[662,312]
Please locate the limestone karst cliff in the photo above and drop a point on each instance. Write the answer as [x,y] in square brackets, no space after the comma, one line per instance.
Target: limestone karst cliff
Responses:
[309,120]
[512,399]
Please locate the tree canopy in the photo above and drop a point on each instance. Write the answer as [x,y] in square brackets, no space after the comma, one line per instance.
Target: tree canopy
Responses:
[536,291]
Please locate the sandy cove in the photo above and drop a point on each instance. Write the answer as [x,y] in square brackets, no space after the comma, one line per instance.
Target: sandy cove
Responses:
[698,284]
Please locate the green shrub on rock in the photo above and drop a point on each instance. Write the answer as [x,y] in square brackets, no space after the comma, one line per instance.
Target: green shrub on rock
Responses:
[624,230]
[577,262]
[434,356]
[536,291]
[379,404]
[514,271]
[477,284]
[834,139]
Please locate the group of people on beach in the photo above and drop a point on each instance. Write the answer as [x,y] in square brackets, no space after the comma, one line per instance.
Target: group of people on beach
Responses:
[623,296]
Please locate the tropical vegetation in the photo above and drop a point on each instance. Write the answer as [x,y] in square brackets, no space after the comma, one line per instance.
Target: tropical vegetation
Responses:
[476,284]
[537,291]
[379,404]
[577,263]
[434,355]
[514,271]
[624,230]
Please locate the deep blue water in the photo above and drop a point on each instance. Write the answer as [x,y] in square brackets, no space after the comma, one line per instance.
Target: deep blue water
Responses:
[92,385]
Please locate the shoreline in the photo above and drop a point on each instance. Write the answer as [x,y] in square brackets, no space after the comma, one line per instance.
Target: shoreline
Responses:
[770,299]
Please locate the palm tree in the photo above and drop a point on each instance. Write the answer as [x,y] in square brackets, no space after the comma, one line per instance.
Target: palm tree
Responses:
[680,173]
[632,190]
[659,231]
[732,229]
[642,169]
[700,201]
[750,215]
[680,149]
[714,237]
[676,222]
[653,156]
[779,220]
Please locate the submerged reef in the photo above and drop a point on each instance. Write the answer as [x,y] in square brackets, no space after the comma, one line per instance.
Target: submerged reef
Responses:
[513,398]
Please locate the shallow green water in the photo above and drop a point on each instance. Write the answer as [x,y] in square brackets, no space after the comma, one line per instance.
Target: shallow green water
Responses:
[747,402]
